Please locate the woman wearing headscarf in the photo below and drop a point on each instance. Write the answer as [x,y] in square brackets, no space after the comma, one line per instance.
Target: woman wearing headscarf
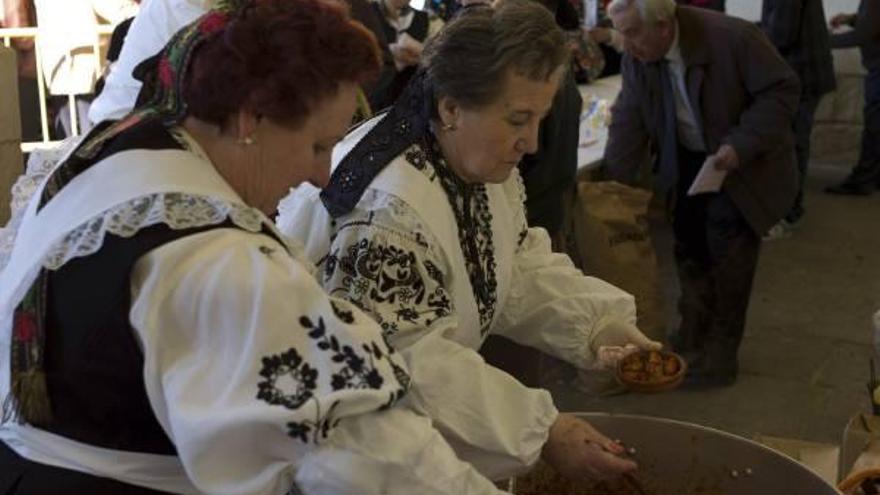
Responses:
[157,335]
[423,227]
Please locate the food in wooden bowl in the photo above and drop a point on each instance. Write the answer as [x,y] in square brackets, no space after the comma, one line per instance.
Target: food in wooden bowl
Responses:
[651,371]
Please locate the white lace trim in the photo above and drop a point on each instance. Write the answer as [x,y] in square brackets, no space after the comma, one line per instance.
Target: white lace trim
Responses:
[176,210]
[40,163]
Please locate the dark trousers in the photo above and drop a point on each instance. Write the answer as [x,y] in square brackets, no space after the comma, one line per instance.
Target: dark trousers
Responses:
[867,170]
[803,129]
[716,253]
[20,476]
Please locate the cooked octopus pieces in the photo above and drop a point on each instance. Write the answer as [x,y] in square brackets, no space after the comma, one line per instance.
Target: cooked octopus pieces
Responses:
[650,367]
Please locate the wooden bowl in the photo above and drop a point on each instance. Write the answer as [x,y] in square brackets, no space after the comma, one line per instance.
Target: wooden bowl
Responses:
[651,371]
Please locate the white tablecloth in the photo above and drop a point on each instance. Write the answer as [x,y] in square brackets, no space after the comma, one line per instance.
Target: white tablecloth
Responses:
[591,150]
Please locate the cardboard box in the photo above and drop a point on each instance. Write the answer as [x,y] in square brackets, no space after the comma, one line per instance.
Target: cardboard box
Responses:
[11,165]
[821,458]
[860,448]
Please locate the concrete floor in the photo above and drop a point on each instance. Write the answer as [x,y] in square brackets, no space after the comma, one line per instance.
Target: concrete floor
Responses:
[804,359]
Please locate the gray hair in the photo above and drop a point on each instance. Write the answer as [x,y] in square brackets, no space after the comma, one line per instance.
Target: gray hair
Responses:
[470,57]
[649,10]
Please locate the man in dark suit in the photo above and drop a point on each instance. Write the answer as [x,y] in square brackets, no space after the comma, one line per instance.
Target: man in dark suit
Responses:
[700,84]
[797,28]
[865,176]
[706,4]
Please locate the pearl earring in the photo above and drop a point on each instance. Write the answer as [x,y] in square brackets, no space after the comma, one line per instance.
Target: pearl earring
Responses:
[449,127]
[246,141]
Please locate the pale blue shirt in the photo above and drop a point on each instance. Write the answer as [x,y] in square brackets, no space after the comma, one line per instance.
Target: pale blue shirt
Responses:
[689,132]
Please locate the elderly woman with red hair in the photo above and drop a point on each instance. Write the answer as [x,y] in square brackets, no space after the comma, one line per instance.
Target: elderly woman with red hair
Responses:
[157,335]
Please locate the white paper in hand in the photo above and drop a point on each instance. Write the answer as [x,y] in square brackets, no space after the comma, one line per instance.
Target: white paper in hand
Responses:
[709,179]
[407,41]
[411,46]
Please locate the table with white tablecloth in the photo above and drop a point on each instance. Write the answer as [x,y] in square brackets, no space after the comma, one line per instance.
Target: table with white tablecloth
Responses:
[592,145]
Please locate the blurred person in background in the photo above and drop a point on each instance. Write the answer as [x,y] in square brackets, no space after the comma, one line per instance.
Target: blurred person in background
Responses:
[158,20]
[797,28]
[69,61]
[405,29]
[716,5]
[865,23]
[150,30]
[702,89]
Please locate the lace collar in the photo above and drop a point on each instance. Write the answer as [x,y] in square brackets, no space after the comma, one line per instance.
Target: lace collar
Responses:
[177,210]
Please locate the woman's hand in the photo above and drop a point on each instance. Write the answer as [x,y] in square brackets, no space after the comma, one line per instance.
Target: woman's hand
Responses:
[580,453]
[616,340]
[621,334]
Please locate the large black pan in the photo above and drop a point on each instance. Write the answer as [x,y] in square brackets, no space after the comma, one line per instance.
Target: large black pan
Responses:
[677,458]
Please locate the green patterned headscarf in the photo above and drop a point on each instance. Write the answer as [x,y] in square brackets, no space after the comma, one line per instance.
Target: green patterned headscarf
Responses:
[163,75]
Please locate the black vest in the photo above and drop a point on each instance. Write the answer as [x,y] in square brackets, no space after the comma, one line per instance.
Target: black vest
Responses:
[93,360]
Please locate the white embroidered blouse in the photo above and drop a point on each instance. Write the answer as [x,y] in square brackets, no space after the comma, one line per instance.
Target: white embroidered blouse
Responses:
[259,378]
[440,264]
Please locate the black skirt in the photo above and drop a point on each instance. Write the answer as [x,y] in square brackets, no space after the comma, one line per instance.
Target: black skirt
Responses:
[20,476]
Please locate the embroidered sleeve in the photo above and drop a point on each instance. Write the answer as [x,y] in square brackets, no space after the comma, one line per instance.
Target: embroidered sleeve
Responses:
[384,261]
[390,273]
[258,377]
[553,307]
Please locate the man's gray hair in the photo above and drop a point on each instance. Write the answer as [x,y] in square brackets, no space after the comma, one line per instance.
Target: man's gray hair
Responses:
[649,10]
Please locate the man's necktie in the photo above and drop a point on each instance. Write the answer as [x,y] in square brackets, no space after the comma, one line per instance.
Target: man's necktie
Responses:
[668,170]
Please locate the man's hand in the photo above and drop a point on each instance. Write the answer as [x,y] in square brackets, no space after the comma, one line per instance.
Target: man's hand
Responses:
[580,453]
[842,20]
[404,55]
[600,35]
[726,158]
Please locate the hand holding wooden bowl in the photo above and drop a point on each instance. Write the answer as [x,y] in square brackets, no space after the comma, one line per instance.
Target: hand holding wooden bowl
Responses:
[651,371]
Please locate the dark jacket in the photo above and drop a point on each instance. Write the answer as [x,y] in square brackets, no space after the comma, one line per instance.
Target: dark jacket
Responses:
[418,29]
[385,95]
[865,35]
[798,30]
[363,12]
[551,171]
[743,94]
[717,5]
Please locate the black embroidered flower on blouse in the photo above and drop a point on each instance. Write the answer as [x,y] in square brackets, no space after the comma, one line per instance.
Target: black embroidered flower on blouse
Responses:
[345,316]
[296,390]
[290,382]
[314,430]
[371,272]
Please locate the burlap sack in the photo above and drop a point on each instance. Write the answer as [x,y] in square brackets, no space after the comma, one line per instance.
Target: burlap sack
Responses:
[614,244]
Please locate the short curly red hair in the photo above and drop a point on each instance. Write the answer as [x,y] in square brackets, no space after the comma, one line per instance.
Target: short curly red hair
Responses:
[279,58]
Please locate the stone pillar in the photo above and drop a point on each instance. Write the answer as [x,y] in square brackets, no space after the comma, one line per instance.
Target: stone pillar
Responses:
[10,130]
